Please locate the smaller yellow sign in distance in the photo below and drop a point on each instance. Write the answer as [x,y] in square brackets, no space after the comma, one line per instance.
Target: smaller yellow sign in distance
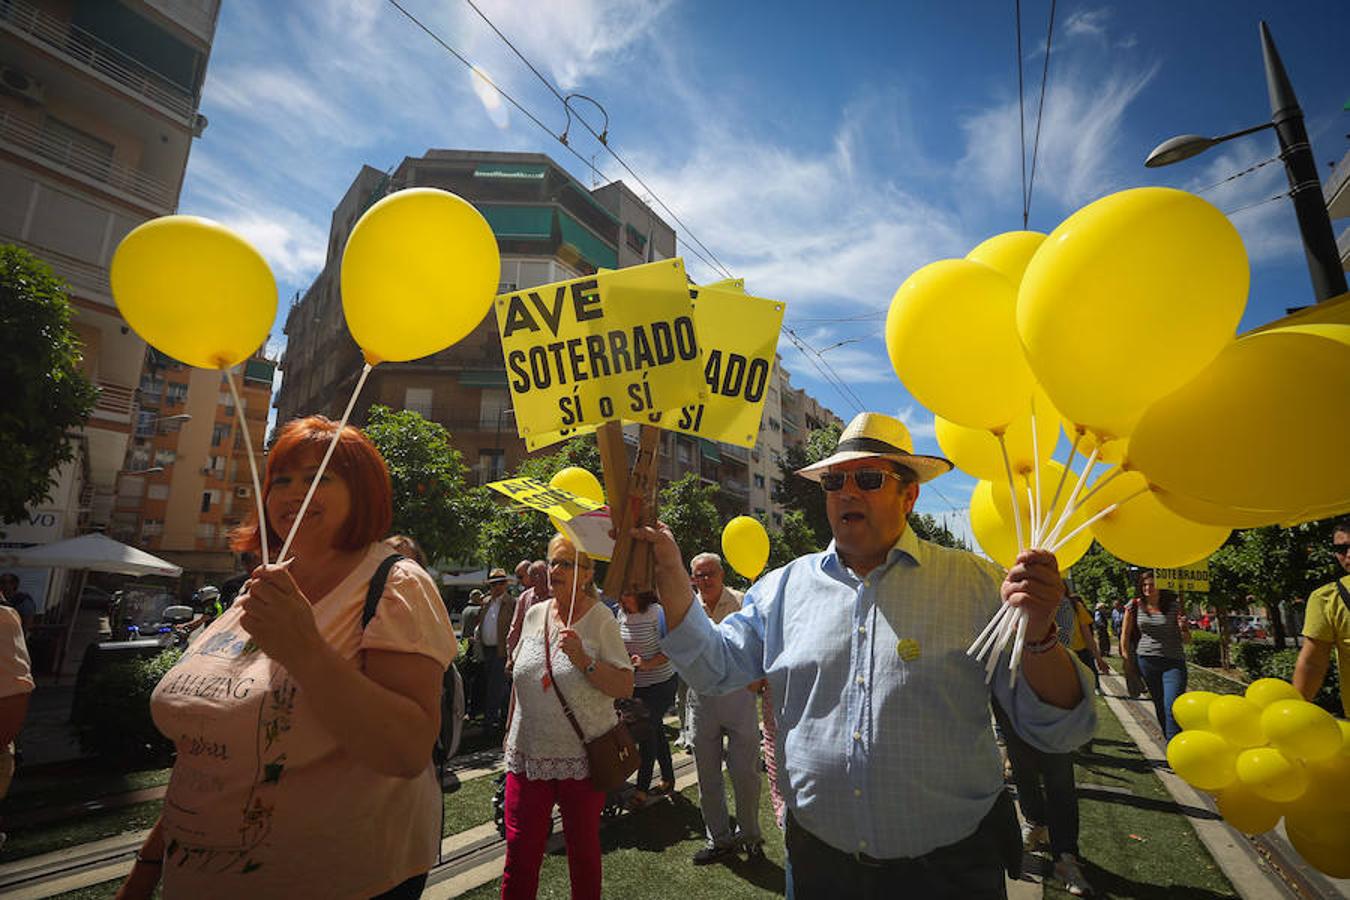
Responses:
[531,492]
[609,346]
[1193,579]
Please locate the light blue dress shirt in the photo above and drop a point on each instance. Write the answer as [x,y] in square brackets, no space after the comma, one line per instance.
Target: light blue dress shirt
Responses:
[884,740]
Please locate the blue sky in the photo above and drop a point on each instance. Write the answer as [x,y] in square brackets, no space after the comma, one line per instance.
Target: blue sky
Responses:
[822,152]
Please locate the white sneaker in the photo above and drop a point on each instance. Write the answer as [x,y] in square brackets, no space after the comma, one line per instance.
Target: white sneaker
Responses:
[1034,836]
[1067,871]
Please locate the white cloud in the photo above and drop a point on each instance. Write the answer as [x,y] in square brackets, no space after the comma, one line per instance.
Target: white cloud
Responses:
[918,420]
[1269,229]
[1087,23]
[1078,159]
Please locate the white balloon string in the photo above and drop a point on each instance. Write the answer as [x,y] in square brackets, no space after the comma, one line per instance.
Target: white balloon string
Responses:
[1033,521]
[1004,635]
[989,629]
[1064,476]
[1106,512]
[1071,505]
[572,607]
[987,643]
[1037,526]
[1012,492]
[1017,650]
[1099,485]
[328,454]
[252,466]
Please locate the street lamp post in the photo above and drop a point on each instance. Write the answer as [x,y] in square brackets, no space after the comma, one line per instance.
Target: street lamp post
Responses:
[1305,188]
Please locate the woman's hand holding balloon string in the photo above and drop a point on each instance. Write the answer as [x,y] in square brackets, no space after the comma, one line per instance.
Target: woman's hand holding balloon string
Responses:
[279,617]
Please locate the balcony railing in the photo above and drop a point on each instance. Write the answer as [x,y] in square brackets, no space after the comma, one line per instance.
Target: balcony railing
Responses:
[84,162]
[114,402]
[91,278]
[89,52]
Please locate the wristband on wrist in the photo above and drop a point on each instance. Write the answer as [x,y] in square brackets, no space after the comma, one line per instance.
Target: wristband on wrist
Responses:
[1046,643]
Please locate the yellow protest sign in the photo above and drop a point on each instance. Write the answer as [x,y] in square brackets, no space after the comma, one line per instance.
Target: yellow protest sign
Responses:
[739,337]
[1194,579]
[561,505]
[738,334]
[600,348]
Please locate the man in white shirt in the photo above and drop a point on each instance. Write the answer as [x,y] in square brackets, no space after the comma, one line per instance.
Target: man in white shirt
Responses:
[711,716]
[492,633]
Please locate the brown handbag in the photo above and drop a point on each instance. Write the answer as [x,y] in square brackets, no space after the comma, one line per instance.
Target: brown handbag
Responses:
[612,756]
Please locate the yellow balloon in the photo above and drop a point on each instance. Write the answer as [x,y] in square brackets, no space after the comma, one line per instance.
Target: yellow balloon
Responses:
[1143,531]
[976,451]
[579,481]
[1052,476]
[1323,841]
[1301,730]
[1112,451]
[1271,774]
[1191,709]
[951,340]
[1315,513]
[1329,780]
[1202,759]
[1237,720]
[1246,810]
[1254,429]
[1127,300]
[1345,736]
[194,290]
[419,273]
[995,537]
[745,544]
[1008,253]
[1205,513]
[1265,691]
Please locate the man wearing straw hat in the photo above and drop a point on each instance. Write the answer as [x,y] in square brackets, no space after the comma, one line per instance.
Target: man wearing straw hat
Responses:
[893,782]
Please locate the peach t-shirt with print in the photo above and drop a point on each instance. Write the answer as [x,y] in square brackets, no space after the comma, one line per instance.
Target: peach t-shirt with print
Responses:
[263,801]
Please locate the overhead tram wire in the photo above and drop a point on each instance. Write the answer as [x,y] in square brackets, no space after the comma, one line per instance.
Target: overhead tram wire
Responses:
[478,73]
[1236,175]
[1040,110]
[1248,206]
[1021,114]
[826,370]
[604,142]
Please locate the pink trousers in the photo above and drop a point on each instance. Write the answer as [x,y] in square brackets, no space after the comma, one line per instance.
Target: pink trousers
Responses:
[529,808]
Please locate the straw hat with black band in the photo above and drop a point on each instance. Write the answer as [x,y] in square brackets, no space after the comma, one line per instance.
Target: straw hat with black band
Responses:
[878,436]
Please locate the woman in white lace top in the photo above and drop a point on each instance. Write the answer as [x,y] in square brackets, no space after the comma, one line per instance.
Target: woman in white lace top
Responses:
[546,764]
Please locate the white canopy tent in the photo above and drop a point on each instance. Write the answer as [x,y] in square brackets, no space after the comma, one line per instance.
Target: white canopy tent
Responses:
[93,552]
[89,552]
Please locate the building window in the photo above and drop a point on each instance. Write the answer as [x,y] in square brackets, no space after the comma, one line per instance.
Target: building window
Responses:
[151,527]
[776,457]
[684,452]
[778,520]
[777,484]
[759,481]
[157,492]
[418,400]
[165,457]
[491,465]
[773,423]
[206,501]
[175,393]
[220,433]
[494,410]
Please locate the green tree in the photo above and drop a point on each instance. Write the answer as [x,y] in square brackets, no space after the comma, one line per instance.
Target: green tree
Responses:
[46,394]
[794,539]
[689,507]
[927,527]
[1273,565]
[1101,578]
[510,533]
[432,500]
[796,493]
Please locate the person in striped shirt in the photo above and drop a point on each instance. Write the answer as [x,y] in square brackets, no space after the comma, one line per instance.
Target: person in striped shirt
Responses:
[642,624]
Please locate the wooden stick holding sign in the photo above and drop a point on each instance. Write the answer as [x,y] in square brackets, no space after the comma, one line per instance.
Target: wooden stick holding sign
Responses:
[631,566]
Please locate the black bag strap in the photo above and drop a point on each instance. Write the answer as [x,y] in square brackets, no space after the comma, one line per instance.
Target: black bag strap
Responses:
[1345,595]
[376,589]
[553,682]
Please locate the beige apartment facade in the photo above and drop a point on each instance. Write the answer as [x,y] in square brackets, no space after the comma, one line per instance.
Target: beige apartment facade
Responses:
[98,111]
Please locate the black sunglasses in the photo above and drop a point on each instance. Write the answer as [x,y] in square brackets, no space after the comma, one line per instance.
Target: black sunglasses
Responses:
[1340,549]
[865,479]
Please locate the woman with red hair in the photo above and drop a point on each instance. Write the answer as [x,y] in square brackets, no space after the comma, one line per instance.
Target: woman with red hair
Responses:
[304,738]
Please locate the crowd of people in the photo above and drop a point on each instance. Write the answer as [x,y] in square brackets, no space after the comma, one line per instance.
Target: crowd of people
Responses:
[315,696]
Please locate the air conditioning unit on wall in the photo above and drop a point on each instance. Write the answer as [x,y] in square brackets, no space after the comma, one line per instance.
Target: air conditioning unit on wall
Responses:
[243,491]
[19,83]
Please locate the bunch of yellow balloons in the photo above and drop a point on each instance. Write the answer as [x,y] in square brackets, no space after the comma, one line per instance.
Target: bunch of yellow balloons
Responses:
[1120,326]
[1269,755]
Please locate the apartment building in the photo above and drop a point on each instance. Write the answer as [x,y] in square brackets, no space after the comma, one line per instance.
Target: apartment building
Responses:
[187,483]
[549,228]
[98,110]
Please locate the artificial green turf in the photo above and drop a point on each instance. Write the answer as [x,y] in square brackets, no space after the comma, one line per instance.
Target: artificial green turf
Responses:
[72,832]
[41,791]
[1138,844]
[649,856]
